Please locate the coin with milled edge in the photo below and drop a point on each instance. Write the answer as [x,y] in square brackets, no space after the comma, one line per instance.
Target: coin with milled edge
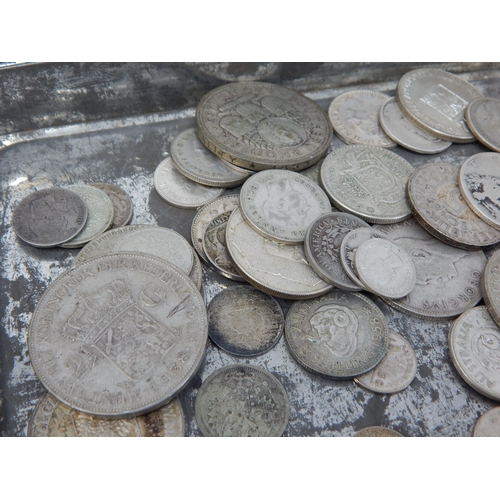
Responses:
[338,335]
[490,286]
[368,182]
[488,424]
[483,119]
[242,401]
[378,432]
[259,126]
[121,201]
[49,217]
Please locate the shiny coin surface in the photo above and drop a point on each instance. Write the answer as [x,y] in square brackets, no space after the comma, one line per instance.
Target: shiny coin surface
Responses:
[488,425]
[354,116]
[259,126]
[483,119]
[121,201]
[490,286]
[54,419]
[405,133]
[338,335]
[49,217]
[281,205]
[244,321]
[378,432]
[118,335]
[368,182]
[242,401]
[435,101]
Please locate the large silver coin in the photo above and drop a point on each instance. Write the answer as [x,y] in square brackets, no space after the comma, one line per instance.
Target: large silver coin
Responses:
[242,401]
[448,278]
[439,207]
[322,247]
[339,335]
[474,342]
[54,419]
[121,201]
[199,164]
[479,183]
[376,431]
[179,191]
[405,133]
[490,286]
[49,217]
[278,269]
[488,424]
[483,119]
[396,370]
[354,116]
[100,214]
[435,101]
[281,205]
[368,182]
[259,125]
[118,335]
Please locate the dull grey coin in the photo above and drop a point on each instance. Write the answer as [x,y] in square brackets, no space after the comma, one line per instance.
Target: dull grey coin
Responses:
[376,431]
[49,217]
[483,119]
[242,401]
[488,424]
[121,201]
[490,286]
[244,321]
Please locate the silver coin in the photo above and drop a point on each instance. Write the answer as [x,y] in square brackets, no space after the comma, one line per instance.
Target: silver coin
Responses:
[322,247]
[474,342]
[396,370]
[100,214]
[405,133]
[242,401]
[488,424]
[259,125]
[448,278]
[368,182]
[438,206]
[281,205]
[118,335]
[479,183]
[385,268]
[199,164]
[244,321]
[376,431]
[121,201]
[354,116]
[179,191]
[483,119]
[274,268]
[435,101]
[490,286]
[54,419]
[338,335]
[49,217]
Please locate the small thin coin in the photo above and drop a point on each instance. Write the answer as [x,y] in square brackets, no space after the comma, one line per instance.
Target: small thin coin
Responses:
[488,425]
[378,432]
[244,321]
[121,201]
[483,119]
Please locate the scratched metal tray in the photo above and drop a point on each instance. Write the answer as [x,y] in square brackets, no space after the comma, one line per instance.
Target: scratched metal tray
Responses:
[80,123]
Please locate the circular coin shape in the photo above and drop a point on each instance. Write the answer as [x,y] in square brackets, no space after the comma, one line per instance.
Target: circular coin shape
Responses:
[121,201]
[488,425]
[435,101]
[483,119]
[118,335]
[490,286]
[368,182]
[378,432]
[49,217]
[262,126]
[242,401]
[244,321]
[339,335]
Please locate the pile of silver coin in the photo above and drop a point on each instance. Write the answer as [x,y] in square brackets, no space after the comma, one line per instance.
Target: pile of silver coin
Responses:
[118,336]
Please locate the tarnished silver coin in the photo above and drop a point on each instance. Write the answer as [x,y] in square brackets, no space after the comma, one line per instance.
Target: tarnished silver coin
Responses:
[490,286]
[259,126]
[435,101]
[479,183]
[54,419]
[244,321]
[474,342]
[179,191]
[49,217]
[438,205]
[396,370]
[199,164]
[378,432]
[368,182]
[405,133]
[121,201]
[100,214]
[275,268]
[281,205]
[448,278]
[483,119]
[488,424]
[354,116]
[338,335]
[385,268]
[322,247]
[118,335]
[242,401]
